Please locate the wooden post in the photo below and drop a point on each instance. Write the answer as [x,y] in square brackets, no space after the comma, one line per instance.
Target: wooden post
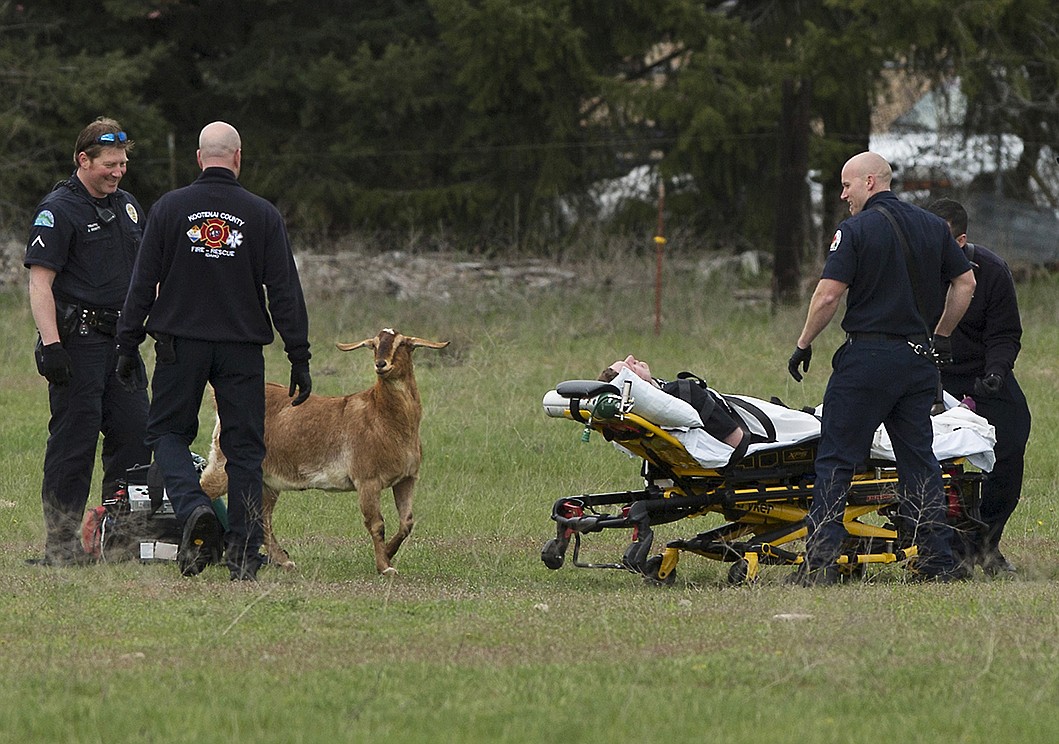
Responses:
[660,242]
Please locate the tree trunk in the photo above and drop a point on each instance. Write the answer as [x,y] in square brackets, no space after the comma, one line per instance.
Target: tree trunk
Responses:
[848,121]
[792,194]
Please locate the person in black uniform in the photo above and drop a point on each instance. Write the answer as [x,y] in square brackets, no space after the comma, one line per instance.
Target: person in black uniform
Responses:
[885,371]
[218,255]
[81,250]
[984,348]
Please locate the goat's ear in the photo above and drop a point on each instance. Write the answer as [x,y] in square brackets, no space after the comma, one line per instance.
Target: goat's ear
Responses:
[359,344]
[423,342]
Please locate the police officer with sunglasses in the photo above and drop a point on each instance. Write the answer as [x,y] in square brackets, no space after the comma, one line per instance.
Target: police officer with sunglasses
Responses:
[81,249]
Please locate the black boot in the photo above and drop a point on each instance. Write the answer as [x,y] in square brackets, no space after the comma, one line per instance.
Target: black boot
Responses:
[62,542]
[201,543]
[243,564]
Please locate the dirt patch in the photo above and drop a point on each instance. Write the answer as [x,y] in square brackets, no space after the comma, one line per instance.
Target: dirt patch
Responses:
[436,276]
[407,275]
[399,274]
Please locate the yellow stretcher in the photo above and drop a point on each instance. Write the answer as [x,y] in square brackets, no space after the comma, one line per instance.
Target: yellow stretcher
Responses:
[761,498]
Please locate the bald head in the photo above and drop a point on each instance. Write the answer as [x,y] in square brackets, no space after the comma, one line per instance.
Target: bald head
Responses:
[870,164]
[863,176]
[220,146]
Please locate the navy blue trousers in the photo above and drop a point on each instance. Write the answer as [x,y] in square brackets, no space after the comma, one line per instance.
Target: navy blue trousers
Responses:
[93,403]
[236,372]
[1009,413]
[872,383]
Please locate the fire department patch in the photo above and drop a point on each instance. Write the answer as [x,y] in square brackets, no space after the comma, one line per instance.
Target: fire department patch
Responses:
[214,233]
[835,241]
[214,237]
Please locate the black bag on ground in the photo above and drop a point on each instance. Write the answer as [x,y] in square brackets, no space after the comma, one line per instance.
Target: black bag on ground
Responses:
[137,514]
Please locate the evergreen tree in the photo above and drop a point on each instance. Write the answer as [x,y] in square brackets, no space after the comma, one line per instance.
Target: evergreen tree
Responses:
[53,83]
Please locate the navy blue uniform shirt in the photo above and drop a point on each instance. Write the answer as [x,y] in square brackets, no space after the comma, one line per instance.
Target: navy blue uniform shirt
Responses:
[989,336]
[214,247]
[92,259]
[867,255]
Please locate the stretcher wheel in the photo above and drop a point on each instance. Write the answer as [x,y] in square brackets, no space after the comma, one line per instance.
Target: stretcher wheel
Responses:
[650,572]
[739,571]
[552,554]
[853,572]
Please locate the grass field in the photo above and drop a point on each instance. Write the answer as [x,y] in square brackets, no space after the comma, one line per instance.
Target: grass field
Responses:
[476,641]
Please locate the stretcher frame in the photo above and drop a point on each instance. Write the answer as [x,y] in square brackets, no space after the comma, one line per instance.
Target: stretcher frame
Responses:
[764,498]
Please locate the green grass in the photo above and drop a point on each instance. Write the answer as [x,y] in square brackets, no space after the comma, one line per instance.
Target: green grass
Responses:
[476,641]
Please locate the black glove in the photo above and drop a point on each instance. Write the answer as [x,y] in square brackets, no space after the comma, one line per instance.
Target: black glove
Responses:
[989,385]
[164,351]
[799,357]
[941,348]
[54,363]
[300,381]
[130,371]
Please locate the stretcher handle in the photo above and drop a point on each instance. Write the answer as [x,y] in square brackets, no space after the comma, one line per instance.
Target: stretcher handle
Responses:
[584,389]
[578,390]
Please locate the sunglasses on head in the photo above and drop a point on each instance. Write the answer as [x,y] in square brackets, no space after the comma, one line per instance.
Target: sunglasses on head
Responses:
[112,137]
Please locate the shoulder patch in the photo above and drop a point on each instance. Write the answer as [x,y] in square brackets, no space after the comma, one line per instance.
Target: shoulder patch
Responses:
[835,241]
[44,219]
[131,211]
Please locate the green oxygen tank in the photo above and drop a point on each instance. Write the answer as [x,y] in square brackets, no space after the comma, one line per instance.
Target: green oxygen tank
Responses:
[607,407]
[220,508]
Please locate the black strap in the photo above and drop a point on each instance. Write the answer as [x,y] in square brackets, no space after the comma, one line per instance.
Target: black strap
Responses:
[105,212]
[757,413]
[691,392]
[910,266]
[804,409]
[700,381]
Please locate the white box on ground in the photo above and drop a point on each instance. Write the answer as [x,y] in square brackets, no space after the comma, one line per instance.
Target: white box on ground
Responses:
[157,551]
[140,500]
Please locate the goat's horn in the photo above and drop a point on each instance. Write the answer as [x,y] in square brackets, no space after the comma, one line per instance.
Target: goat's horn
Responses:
[359,344]
[423,342]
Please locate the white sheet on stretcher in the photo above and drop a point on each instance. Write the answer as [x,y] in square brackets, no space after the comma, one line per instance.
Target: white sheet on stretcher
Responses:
[958,432]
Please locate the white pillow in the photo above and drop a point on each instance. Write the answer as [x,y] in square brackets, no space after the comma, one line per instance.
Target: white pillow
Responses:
[662,409]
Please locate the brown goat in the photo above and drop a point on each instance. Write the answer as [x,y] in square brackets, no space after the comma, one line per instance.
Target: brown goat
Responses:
[365,442]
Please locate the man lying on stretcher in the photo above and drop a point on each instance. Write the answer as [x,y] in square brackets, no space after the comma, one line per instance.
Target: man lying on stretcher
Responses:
[717,420]
[754,424]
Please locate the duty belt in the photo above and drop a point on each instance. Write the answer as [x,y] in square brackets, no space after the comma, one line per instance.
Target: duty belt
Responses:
[73,317]
[858,336]
[919,343]
[103,319]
